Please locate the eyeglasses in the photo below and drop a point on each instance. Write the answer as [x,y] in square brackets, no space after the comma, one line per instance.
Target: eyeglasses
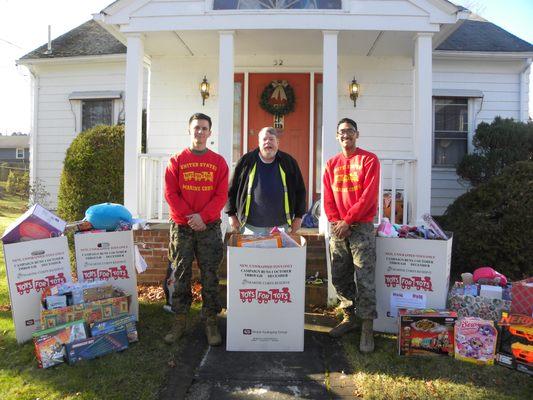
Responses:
[347,132]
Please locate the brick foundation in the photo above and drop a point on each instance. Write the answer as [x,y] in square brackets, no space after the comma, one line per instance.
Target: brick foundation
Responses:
[153,245]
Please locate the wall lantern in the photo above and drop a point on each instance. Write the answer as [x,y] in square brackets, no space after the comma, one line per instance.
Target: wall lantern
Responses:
[354,91]
[204,90]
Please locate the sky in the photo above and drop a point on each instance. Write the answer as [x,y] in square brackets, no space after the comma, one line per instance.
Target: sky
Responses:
[24,27]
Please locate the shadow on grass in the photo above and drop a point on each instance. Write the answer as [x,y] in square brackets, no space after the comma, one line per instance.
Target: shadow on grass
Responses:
[136,373]
[394,376]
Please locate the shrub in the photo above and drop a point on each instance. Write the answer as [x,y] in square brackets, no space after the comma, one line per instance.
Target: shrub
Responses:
[93,171]
[18,183]
[492,224]
[497,145]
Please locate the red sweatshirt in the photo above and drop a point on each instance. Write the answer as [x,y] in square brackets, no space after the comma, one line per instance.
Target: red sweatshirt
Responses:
[196,184]
[351,187]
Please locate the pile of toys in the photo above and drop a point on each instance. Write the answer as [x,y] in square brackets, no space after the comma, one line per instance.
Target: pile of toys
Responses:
[277,238]
[488,321]
[83,321]
[431,230]
[485,294]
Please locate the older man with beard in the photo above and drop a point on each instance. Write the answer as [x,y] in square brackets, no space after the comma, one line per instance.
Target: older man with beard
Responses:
[267,189]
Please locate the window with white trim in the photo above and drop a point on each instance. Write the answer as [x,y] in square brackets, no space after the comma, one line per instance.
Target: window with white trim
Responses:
[96,112]
[277,4]
[20,153]
[450,130]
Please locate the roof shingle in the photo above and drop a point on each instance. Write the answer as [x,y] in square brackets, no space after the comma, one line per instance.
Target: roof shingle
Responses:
[88,39]
[484,36]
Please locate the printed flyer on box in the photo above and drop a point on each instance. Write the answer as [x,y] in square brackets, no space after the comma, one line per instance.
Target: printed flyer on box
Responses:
[412,273]
[32,266]
[108,256]
[266,290]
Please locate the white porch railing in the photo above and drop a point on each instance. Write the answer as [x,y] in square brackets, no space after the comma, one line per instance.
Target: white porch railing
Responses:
[396,182]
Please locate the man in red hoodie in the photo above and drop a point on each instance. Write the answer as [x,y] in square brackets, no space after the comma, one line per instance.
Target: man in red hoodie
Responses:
[196,190]
[350,190]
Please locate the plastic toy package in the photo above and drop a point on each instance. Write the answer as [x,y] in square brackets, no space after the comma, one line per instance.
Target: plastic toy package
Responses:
[475,340]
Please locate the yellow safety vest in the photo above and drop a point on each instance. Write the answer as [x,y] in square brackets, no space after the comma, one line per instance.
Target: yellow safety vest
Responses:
[249,195]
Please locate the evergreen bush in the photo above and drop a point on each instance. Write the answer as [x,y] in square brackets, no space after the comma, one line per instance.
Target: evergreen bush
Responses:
[492,224]
[93,171]
[18,183]
[501,143]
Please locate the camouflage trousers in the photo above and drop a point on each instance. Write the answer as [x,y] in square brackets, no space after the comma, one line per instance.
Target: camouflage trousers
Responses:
[207,247]
[353,264]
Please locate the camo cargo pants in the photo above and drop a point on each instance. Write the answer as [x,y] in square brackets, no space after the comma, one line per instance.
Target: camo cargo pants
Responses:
[355,254]
[206,246]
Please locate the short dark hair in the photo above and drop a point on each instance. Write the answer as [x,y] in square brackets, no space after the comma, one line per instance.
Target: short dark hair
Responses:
[200,116]
[348,121]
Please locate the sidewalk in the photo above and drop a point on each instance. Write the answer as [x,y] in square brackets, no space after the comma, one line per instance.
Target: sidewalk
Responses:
[318,372]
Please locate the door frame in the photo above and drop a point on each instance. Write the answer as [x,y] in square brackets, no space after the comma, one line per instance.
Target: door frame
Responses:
[242,75]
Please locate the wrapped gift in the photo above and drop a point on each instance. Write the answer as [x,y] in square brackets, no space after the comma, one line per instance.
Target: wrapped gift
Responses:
[522,294]
[477,306]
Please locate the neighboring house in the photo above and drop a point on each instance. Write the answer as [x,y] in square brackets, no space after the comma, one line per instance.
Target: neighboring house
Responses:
[428,73]
[15,149]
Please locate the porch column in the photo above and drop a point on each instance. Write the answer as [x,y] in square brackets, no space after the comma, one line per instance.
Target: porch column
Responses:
[133,110]
[225,95]
[329,106]
[329,126]
[422,124]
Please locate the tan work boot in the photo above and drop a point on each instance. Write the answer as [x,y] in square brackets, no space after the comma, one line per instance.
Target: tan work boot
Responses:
[177,330]
[347,324]
[366,343]
[212,332]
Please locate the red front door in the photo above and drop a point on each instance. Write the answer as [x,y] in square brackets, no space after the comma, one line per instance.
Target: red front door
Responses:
[295,137]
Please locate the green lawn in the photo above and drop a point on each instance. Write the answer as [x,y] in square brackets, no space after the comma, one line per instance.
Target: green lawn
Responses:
[137,373]
[385,375]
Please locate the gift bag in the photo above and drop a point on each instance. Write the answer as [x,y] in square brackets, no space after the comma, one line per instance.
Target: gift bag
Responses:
[522,294]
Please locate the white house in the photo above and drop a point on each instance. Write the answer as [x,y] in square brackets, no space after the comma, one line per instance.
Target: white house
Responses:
[428,73]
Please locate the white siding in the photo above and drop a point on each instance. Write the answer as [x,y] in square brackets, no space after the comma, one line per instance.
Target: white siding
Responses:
[499,81]
[56,119]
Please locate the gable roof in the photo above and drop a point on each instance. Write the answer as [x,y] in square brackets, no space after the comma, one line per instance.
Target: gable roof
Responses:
[88,39]
[11,142]
[483,36]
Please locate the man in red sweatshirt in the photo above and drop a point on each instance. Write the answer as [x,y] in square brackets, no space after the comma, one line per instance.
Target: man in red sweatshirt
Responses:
[350,190]
[196,190]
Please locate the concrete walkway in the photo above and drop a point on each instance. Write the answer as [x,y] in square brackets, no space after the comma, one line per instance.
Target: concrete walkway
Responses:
[319,372]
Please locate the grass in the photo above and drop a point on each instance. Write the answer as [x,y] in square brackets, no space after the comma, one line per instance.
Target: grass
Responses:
[385,375]
[137,373]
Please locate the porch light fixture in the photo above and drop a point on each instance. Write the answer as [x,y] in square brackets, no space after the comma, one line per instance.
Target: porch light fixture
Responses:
[204,90]
[354,91]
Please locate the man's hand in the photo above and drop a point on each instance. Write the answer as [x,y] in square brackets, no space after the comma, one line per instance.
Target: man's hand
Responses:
[234,223]
[196,222]
[341,229]
[296,224]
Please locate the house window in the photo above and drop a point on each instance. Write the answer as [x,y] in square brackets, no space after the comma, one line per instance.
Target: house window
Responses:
[450,131]
[20,153]
[96,112]
[277,4]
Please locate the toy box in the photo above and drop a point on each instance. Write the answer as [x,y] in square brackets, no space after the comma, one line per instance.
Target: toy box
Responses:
[49,343]
[36,223]
[108,256]
[425,332]
[475,340]
[31,267]
[100,310]
[515,344]
[467,305]
[127,322]
[97,346]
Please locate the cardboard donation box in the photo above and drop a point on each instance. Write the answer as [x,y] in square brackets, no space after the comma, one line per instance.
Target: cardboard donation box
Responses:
[265,298]
[108,256]
[410,273]
[31,267]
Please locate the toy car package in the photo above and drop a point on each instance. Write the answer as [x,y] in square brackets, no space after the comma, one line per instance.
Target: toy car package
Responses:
[425,332]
